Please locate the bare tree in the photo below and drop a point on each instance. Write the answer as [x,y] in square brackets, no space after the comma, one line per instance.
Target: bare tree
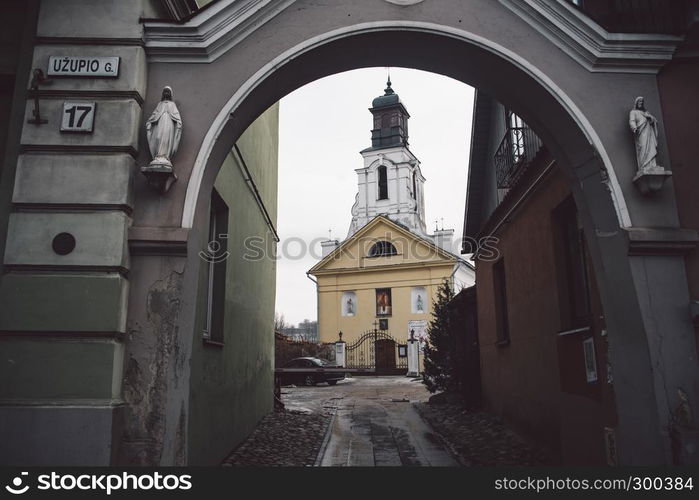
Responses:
[280,323]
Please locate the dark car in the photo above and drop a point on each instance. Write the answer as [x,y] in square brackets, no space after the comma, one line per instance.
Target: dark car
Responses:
[309,371]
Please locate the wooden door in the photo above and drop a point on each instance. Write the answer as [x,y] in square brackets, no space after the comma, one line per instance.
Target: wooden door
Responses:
[385,356]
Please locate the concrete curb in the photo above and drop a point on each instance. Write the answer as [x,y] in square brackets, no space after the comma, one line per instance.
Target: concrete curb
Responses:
[326,440]
[441,438]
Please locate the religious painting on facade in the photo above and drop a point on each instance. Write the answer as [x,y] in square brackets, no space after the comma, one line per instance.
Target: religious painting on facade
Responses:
[383,302]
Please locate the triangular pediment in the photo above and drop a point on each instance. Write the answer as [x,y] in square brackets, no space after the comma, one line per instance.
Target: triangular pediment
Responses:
[355,252]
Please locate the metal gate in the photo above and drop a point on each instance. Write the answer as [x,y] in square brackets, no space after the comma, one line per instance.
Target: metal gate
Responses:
[376,350]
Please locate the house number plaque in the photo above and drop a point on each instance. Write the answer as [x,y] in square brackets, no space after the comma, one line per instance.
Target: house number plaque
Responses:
[78,116]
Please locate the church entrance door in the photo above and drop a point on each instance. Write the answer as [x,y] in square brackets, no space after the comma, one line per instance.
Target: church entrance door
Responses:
[385,356]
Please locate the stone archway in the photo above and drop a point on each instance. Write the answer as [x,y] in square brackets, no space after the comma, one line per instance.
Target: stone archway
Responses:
[232,61]
[570,107]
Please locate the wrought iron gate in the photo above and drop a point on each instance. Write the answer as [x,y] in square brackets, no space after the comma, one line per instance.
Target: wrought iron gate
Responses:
[376,350]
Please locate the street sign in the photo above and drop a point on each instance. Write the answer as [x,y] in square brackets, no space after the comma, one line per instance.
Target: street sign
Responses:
[84,66]
[78,116]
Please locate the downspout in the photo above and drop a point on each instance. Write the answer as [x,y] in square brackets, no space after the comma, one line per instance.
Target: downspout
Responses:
[256,193]
[317,303]
[453,277]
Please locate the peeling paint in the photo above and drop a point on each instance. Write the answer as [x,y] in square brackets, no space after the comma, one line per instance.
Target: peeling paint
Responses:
[154,364]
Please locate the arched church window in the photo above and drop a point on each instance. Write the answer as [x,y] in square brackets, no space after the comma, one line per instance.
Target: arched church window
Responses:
[383,182]
[382,249]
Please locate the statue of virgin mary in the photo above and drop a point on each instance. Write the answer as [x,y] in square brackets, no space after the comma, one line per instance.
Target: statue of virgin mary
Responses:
[164,129]
[645,130]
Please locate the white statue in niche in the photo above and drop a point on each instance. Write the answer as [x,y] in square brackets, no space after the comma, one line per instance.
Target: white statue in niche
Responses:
[350,307]
[164,129]
[418,304]
[645,129]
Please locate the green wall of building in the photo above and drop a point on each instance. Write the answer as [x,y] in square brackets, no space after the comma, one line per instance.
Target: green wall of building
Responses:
[232,384]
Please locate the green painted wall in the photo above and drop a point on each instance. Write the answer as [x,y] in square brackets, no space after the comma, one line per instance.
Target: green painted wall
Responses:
[57,369]
[232,385]
[63,303]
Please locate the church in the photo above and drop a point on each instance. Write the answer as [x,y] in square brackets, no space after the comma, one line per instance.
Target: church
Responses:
[385,274]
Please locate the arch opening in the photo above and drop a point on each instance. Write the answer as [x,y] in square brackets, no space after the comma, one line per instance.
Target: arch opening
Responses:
[516,83]
[468,58]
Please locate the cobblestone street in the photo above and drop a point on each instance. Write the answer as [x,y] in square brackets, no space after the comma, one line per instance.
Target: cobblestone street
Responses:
[377,425]
[378,421]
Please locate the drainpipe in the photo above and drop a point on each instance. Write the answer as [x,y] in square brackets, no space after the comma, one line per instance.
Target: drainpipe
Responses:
[317,303]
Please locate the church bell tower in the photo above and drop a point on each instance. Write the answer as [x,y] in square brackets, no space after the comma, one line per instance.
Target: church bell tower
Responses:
[390,183]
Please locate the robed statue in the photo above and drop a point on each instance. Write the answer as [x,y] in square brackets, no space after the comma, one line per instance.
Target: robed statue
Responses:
[164,129]
[645,129]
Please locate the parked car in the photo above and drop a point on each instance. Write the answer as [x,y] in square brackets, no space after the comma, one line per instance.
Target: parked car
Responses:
[309,371]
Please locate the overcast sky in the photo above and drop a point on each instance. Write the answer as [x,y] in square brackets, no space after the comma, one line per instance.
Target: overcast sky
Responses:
[323,126]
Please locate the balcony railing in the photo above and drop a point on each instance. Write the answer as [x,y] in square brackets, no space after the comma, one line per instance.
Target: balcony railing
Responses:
[638,16]
[516,151]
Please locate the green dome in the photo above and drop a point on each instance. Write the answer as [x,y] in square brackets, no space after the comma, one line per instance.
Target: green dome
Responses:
[388,99]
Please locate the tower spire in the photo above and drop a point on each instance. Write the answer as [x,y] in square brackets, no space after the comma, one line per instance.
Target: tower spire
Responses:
[390,183]
[390,119]
[388,90]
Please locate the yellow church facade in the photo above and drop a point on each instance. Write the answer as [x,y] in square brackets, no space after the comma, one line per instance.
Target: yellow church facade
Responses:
[384,277]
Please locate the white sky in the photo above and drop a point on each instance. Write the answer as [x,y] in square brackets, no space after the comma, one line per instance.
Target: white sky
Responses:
[323,126]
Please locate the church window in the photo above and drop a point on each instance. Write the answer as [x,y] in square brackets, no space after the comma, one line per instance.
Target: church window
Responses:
[383,183]
[382,249]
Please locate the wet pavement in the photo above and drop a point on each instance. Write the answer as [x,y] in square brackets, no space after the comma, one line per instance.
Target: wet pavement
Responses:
[380,421]
[375,422]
